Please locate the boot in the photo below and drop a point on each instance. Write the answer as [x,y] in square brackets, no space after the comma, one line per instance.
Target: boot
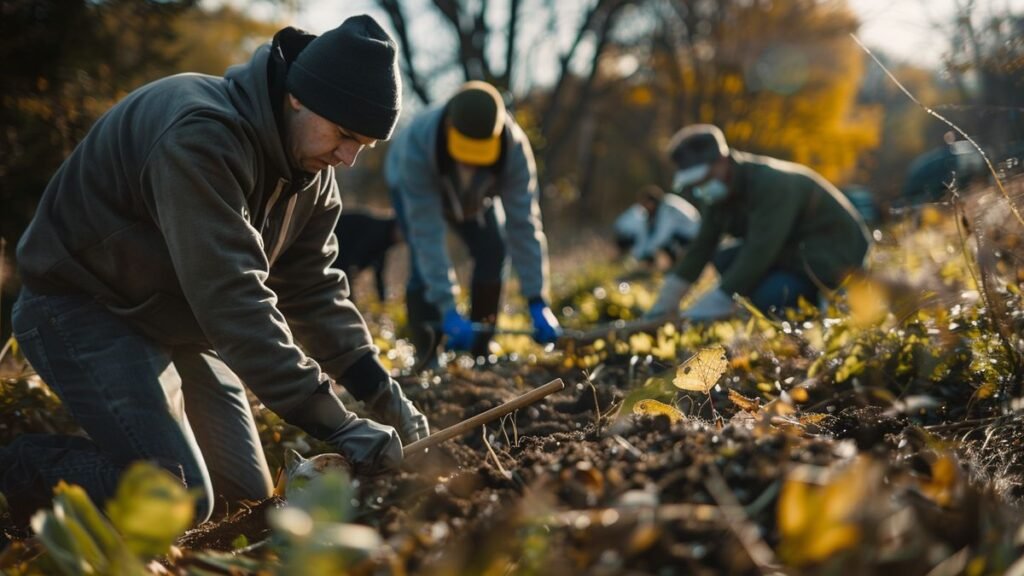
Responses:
[424,332]
[485,298]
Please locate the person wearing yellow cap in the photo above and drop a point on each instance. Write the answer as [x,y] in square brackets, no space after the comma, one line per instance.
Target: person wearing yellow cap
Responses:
[466,165]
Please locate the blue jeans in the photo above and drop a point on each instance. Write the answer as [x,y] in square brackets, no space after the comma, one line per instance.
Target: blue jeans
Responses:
[179,407]
[484,240]
[778,288]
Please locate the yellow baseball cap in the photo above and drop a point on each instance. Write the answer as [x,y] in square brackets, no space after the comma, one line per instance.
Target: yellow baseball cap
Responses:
[476,117]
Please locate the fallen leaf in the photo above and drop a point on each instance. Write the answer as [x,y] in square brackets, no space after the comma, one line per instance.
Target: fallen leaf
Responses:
[751,405]
[654,408]
[701,372]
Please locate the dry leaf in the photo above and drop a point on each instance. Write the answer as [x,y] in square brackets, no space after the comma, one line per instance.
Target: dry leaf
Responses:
[945,476]
[816,521]
[701,372]
[869,302]
[654,408]
[751,405]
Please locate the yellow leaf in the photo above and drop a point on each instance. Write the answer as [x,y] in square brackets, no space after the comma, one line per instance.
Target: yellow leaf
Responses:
[640,343]
[812,419]
[701,372]
[869,302]
[799,395]
[832,540]
[942,485]
[654,408]
[751,405]
[817,520]
[151,509]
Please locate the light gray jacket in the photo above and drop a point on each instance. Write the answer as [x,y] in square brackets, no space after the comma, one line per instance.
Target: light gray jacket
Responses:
[412,170]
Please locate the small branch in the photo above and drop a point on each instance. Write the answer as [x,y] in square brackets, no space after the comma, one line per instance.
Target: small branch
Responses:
[746,532]
[497,462]
[988,163]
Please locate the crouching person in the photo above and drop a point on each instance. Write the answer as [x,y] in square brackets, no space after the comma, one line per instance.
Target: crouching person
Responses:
[797,233]
[467,165]
[184,250]
[657,229]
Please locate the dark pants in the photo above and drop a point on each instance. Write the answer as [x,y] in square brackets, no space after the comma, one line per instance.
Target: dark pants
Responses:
[181,408]
[777,289]
[486,244]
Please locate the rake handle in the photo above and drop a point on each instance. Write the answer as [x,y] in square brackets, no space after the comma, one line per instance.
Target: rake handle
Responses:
[473,422]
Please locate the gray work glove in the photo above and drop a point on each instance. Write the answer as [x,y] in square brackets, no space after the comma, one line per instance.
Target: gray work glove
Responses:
[370,447]
[711,306]
[391,407]
[671,294]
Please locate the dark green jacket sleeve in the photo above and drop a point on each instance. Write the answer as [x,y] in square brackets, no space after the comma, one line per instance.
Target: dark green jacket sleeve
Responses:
[771,219]
[703,248]
[203,166]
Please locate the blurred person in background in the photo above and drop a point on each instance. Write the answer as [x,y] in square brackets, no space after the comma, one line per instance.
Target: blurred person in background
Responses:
[657,229]
[185,248]
[364,240]
[466,165]
[794,233]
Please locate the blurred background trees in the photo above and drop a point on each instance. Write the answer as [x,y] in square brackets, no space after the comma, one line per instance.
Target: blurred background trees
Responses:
[599,85]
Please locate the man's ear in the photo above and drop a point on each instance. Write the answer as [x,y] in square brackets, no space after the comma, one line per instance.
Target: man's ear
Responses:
[294,102]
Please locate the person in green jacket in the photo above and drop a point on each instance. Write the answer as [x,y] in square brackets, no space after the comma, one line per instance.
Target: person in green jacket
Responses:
[794,232]
[184,252]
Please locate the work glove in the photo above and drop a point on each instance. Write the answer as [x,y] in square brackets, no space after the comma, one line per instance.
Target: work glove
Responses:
[669,297]
[457,329]
[711,306]
[545,325]
[370,447]
[390,406]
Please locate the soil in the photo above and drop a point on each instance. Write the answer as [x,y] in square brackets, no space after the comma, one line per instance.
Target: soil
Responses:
[565,491]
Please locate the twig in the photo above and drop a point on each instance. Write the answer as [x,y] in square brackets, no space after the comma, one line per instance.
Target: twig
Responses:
[597,406]
[736,519]
[976,422]
[6,348]
[628,446]
[515,428]
[503,431]
[497,462]
[988,163]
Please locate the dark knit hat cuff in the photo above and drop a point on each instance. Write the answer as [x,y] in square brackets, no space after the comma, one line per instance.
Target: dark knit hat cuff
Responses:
[341,107]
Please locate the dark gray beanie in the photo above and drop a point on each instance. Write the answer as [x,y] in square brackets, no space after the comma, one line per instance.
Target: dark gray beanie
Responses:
[350,76]
[697,144]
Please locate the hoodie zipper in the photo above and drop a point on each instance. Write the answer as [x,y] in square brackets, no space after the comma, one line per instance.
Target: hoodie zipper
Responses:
[281,182]
[279,245]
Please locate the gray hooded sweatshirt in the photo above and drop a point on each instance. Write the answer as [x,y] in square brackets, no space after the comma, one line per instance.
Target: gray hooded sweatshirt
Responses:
[412,170]
[179,212]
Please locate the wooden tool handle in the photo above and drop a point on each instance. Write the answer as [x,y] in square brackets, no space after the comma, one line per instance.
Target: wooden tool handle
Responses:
[485,417]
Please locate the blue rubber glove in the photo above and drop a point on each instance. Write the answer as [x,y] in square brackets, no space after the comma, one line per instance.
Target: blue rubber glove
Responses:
[458,330]
[545,325]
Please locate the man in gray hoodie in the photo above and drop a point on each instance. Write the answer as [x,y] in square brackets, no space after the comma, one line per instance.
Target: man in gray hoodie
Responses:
[184,249]
[467,164]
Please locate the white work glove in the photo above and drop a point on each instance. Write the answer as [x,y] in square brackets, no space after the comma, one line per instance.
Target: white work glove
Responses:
[711,306]
[671,294]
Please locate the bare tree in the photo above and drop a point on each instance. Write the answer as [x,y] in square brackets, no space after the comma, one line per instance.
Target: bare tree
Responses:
[561,110]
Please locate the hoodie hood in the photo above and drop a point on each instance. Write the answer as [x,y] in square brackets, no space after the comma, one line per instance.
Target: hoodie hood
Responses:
[249,90]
